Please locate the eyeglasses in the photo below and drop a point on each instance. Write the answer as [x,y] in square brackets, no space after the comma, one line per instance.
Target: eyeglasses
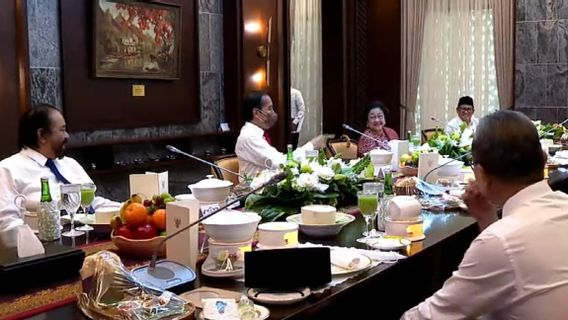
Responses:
[465,109]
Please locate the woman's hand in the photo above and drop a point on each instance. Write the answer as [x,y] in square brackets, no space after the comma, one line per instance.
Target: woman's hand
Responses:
[479,207]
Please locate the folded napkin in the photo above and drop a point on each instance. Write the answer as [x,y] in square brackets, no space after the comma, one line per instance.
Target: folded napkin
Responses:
[375,255]
[28,243]
[345,259]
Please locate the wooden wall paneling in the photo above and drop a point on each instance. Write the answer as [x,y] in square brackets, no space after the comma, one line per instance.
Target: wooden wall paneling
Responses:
[233,62]
[243,60]
[333,66]
[383,62]
[107,103]
[14,70]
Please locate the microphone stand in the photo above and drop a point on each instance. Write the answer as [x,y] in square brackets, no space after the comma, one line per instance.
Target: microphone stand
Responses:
[445,164]
[275,179]
[176,150]
[361,133]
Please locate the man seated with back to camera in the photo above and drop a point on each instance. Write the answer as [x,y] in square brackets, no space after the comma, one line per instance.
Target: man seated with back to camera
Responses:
[253,150]
[42,139]
[516,268]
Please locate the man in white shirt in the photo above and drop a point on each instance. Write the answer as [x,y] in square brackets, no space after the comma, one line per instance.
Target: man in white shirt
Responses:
[517,268]
[297,110]
[42,136]
[465,117]
[253,150]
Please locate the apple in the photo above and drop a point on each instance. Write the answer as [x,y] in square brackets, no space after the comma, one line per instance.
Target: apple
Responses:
[405,157]
[145,231]
[124,232]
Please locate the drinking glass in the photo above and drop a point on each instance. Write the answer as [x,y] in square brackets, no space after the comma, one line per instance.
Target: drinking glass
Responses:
[416,140]
[70,201]
[87,197]
[379,189]
[312,155]
[367,201]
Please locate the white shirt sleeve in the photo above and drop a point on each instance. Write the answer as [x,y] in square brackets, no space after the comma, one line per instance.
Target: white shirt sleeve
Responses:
[9,213]
[483,282]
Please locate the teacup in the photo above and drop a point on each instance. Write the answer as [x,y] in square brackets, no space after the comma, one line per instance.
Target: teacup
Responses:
[28,210]
[277,235]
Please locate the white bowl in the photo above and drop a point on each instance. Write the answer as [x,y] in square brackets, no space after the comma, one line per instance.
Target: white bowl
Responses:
[380,157]
[211,190]
[277,235]
[322,230]
[229,226]
[318,214]
[452,168]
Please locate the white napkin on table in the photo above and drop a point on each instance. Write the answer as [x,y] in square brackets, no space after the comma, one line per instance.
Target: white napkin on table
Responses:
[375,255]
[27,242]
[345,259]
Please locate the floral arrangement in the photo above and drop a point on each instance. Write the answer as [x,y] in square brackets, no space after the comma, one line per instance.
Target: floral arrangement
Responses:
[552,131]
[455,145]
[317,181]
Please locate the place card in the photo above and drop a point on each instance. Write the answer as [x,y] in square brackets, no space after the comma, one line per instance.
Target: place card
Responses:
[149,183]
[184,247]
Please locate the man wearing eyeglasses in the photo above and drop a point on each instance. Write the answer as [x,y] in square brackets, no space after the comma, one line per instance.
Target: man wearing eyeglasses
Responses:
[465,117]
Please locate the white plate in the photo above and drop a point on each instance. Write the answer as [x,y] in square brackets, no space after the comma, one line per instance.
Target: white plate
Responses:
[261,313]
[389,243]
[223,274]
[278,298]
[322,230]
[194,296]
[364,263]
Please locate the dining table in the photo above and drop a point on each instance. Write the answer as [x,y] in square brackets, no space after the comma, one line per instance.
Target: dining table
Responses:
[383,291]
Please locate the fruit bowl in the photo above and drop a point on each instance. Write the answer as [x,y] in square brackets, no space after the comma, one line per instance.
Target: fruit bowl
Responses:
[143,248]
[409,171]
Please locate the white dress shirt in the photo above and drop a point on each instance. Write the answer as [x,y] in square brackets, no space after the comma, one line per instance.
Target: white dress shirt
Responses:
[298,108]
[454,124]
[256,154]
[517,268]
[20,175]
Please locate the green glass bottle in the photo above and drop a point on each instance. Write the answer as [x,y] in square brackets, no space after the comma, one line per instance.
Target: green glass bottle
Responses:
[48,216]
[289,153]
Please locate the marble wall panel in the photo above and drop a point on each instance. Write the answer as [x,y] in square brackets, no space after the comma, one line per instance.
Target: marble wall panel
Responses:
[531,85]
[216,42]
[547,115]
[562,9]
[209,6]
[45,86]
[527,42]
[556,84]
[520,10]
[537,10]
[563,41]
[547,51]
[529,112]
[204,43]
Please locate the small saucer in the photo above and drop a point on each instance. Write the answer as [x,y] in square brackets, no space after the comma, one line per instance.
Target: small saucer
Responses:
[278,297]
[223,274]
[389,243]
[261,313]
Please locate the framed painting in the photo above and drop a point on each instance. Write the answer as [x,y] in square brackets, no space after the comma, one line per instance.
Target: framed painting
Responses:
[136,39]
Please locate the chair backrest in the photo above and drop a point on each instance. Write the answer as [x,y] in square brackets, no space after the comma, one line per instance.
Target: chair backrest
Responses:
[230,162]
[428,133]
[344,146]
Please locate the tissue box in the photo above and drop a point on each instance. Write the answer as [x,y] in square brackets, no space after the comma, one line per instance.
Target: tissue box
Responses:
[184,247]
[149,183]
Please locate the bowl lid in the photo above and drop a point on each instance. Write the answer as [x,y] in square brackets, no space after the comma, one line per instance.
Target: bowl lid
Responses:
[378,151]
[211,182]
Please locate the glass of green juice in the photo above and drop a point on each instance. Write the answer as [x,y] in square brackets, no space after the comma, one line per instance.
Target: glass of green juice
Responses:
[368,202]
[87,197]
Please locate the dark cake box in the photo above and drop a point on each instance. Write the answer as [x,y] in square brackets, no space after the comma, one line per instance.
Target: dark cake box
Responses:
[60,262]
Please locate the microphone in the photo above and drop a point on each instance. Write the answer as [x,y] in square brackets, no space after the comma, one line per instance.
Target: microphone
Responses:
[437,121]
[176,150]
[160,277]
[445,164]
[361,133]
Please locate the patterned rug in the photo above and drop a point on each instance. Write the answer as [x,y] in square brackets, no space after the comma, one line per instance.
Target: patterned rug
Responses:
[36,301]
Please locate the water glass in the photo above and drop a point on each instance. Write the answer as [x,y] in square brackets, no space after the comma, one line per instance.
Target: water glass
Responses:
[87,197]
[368,203]
[70,202]
[312,155]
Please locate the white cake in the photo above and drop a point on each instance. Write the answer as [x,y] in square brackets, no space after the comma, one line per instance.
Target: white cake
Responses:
[318,214]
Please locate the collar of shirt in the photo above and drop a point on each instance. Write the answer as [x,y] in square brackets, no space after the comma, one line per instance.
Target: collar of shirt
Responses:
[254,129]
[34,155]
[533,191]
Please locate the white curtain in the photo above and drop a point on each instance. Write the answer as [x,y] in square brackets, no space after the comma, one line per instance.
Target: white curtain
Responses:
[306,61]
[458,59]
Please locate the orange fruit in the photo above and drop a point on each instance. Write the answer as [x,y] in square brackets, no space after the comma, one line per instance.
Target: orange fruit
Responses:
[135,214]
[159,219]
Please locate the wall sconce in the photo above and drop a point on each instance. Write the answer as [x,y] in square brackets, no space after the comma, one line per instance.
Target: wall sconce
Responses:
[252,27]
[257,77]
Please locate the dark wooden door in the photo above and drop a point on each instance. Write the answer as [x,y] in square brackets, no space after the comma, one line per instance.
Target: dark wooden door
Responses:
[13,72]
